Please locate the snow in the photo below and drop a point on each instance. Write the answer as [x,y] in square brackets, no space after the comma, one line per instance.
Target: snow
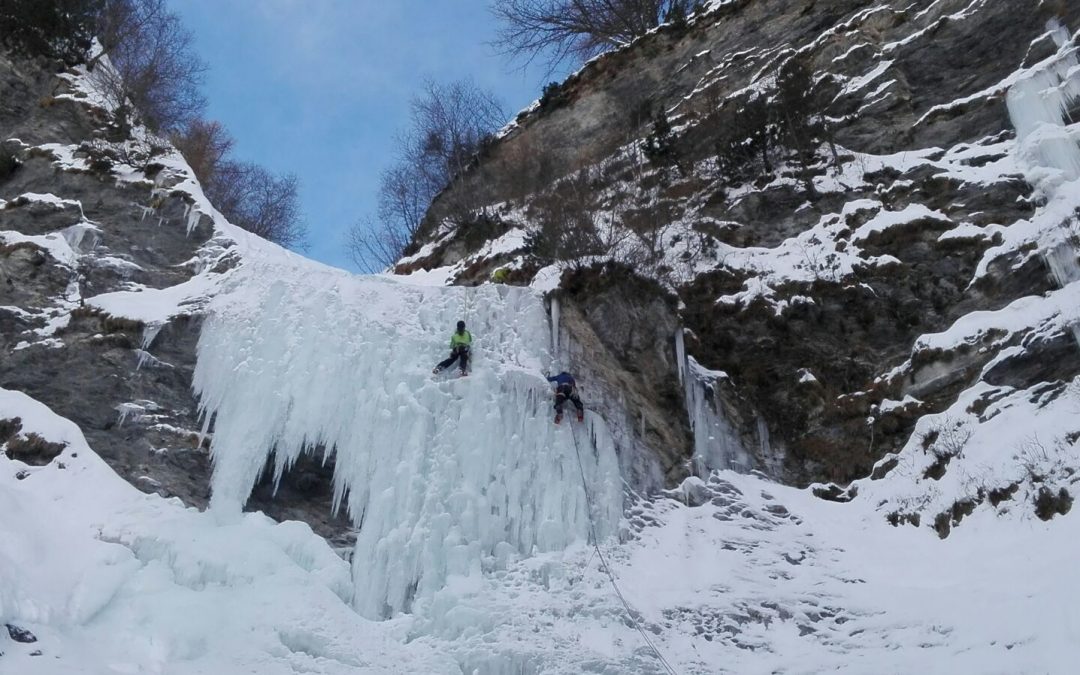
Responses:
[1037,315]
[864,81]
[114,581]
[47,199]
[806,376]
[888,406]
[157,305]
[885,220]
[54,243]
[548,278]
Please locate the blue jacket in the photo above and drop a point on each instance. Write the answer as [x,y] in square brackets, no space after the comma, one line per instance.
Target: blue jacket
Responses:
[562,378]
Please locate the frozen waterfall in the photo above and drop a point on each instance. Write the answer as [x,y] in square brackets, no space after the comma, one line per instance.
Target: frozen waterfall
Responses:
[442,476]
[1042,107]
[1039,105]
[716,443]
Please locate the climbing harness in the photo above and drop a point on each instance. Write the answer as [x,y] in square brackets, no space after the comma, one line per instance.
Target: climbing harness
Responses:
[607,568]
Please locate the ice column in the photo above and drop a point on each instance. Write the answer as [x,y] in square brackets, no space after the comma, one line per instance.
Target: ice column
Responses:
[716,443]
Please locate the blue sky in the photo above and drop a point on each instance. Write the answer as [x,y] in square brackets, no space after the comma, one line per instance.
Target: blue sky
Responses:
[319,87]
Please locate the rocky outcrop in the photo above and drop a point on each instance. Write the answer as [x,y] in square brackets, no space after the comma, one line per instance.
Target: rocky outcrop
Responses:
[618,339]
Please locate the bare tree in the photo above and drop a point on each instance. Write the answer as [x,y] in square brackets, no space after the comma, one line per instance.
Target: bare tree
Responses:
[255,199]
[155,68]
[272,208]
[566,219]
[248,195]
[372,246]
[206,145]
[558,30]
[449,125]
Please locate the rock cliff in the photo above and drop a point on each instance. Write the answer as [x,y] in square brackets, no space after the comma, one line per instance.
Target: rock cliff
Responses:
[814,191]
[90,216]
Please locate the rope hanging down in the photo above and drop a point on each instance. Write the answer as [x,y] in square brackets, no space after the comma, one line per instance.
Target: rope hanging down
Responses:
[607,568]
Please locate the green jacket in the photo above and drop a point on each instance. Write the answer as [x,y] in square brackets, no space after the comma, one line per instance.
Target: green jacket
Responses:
[460,339]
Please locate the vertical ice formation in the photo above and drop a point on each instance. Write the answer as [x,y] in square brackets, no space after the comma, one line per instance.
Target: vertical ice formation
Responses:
[442,476]
[1049,139]
[716,444]
[1039,105]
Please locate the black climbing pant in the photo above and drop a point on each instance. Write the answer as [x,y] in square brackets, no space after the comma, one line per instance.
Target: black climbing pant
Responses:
[564,393]
[458,352]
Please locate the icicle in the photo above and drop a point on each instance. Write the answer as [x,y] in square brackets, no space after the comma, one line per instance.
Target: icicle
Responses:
[716,443]
[129,411]
[80,233]
[193,215]
[763,435]
[150,333]
[1062,261]
[680,354]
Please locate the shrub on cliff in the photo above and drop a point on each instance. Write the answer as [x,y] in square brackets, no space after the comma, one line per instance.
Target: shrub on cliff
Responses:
[565,221]
[59,29]
[557,30]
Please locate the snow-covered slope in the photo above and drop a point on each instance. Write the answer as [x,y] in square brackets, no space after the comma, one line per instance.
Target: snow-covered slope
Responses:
[109,580]
[744,576]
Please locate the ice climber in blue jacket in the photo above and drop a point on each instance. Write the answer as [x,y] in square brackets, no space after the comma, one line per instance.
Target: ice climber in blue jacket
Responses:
[566,388]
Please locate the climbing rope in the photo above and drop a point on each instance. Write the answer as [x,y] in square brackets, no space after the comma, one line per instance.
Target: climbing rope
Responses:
[465,314]
[607,568]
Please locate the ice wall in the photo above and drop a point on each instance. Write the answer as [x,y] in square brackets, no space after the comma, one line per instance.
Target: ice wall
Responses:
[1042,105]
[1039,104]
[442,476]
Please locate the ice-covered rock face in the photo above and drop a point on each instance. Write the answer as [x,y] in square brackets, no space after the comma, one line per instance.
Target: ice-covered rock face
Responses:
[808,280]
[1038,107]
[443,476]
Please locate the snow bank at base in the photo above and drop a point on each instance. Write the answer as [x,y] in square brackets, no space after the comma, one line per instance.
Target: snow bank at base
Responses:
[444,477]
[110,580]
[758,578]
[763,578]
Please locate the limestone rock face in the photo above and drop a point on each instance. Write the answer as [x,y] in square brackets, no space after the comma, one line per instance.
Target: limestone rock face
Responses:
[75,227]
[811,269]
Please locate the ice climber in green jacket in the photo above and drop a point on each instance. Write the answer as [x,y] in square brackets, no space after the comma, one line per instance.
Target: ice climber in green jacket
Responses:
[460,344]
